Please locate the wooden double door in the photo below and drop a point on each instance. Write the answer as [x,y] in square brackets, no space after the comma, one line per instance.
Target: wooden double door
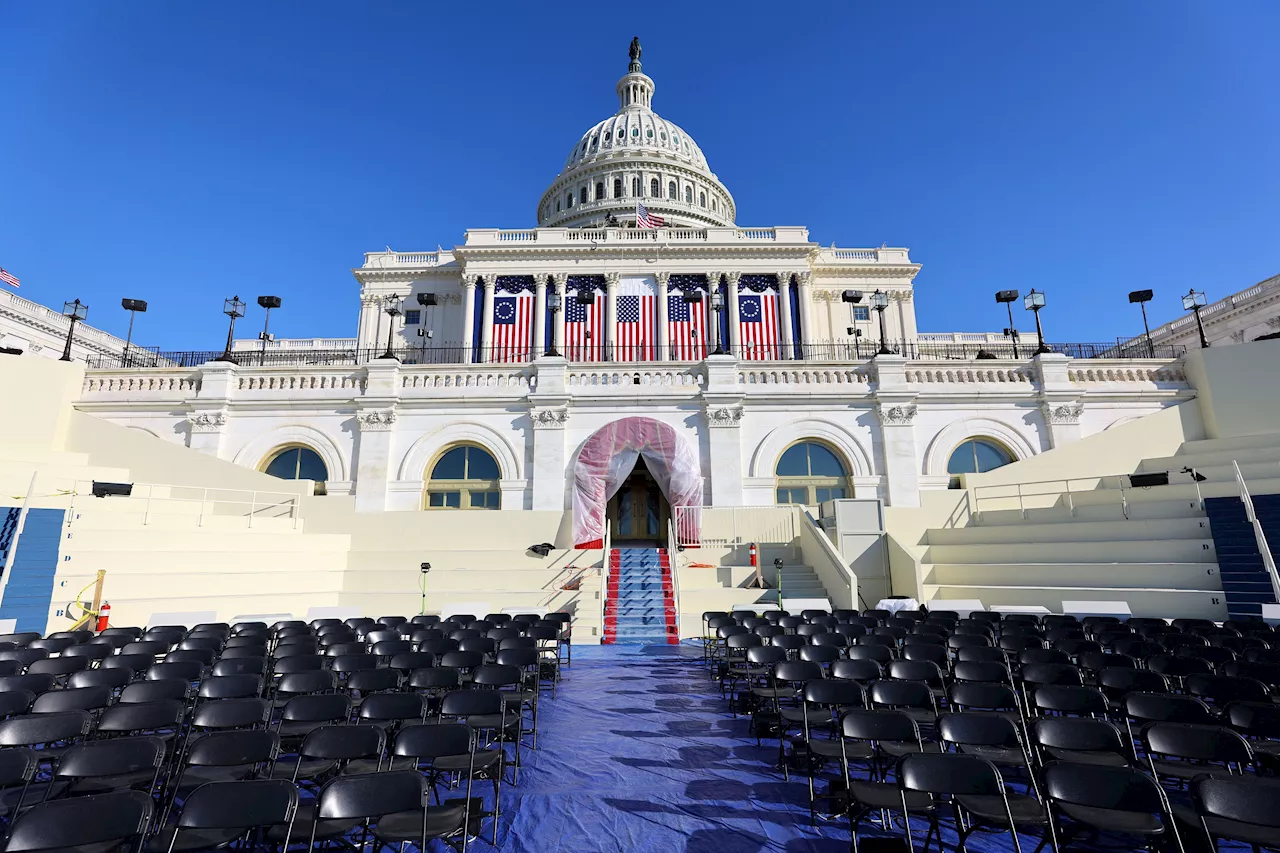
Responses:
[639,511]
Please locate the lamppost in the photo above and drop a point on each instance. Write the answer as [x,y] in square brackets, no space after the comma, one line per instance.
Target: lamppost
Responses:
[1142,297]
[690,298]
[717,305]
[267,302]
[392,310]
[427,301]
[1033,302]
[134,307]
[1194,301]
[1008,297]
[554,303]
[852,298]
[75,312]
[233,308]
[880,301]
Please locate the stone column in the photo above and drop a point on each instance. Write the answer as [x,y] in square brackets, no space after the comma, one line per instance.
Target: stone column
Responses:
[723,402]
[375,420]
[539,316]
[806,307]
[734,313]
[896,409]
[1060,404]
[557,284]
[486,327]
[468,317]
[664,332]
[611,316]
[370,312]
[208,417]
[784,306]
[713,316]
[548,415]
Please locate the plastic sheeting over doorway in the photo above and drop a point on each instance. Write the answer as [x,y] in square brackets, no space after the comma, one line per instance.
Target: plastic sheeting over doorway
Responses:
[608,458]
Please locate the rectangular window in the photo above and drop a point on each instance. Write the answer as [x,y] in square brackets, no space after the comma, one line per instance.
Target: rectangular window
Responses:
[791,496]
[484,500]
[861,312]
[412,318]
[450,500]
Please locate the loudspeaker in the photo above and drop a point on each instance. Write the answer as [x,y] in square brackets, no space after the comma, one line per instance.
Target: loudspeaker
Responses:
[102,490]
[1146,481]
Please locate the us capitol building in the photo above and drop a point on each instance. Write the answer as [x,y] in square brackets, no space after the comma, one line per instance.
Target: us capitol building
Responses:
[747,365]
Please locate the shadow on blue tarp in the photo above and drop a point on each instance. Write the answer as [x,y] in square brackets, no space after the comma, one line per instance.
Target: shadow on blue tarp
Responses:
[638,752]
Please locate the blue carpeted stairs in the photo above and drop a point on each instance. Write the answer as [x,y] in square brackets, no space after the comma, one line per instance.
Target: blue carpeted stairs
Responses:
[638,606]
[29,591]
[1245,581]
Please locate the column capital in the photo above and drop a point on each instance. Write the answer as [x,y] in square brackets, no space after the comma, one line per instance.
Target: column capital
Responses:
[896,414]
[469,279]
[557,279]
[784,277]
[490,282]
[376,420]
[551,417]
[611,279]
[663,278]
[207,422]
[1062,412]
[724,416]
[805,278]
[733,277]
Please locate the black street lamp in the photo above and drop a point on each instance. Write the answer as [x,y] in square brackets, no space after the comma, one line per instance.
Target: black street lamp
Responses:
[267,302]
[392,310]
[1142,297]
[1033,302]
[690,297]
[1008,297]
[1194,301]
[233,308]
[852,298]
[554,303]
[880,301]
[134,307]
[427,301]
[75,312]
[717,305]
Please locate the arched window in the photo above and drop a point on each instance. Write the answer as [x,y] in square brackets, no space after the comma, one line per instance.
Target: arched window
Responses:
[465,477]
[671,190]
[582,195]
[809,473]
[635,187]
[688,195]
[702,199]
[599,190]
[653,189]
[978,455]
[298,463]
[617,187]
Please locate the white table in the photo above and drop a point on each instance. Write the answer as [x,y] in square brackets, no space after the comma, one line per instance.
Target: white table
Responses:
[897,605]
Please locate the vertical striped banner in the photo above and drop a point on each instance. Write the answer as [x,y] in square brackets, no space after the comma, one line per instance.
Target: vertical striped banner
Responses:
[687,328]
[637,321]
[584,328]
[758,330]
[513,327]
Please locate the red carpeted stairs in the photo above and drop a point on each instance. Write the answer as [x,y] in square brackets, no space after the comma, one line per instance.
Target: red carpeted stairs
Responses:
[640,604]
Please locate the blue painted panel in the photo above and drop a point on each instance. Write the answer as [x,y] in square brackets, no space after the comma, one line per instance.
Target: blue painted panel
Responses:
[35,562]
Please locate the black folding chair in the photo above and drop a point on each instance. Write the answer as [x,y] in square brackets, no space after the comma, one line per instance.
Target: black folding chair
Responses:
[101,822]
[1112,799]
[1242,809]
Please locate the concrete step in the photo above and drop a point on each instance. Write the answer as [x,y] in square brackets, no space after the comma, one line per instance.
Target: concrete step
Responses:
[1163,603]
[184,521]
[1081,530]
[1133,576]
[1060,512]
[1031,551]
[255,540]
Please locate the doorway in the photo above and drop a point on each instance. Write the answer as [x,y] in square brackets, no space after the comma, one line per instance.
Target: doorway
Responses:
[639,512]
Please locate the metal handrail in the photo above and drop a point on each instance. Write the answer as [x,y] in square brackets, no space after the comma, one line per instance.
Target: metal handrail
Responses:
[258,502]
[604,576]
[1268,561]
[675,575]
[1020,493]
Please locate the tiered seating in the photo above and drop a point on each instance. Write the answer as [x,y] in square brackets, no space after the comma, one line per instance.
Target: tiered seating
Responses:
[1151,731]
[278,734]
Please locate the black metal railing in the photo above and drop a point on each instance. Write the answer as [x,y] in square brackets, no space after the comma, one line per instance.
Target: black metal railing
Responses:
[828,351]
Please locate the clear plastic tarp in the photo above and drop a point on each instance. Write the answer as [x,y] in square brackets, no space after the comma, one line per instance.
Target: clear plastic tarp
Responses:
[608,458]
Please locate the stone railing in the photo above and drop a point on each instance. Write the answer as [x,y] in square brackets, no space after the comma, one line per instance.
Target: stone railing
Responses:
[385,260]
[292,344]
[1096,370]
[450,380]
[339,379]
[178,382]
[796,236]
[988,372]
[799,375]
[635,380]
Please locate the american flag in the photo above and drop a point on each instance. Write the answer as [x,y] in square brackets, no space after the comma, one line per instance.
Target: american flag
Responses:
[645,219]
[687,328]
[513,327]
[637,319]
[758,330]
[8,277]
[584,328]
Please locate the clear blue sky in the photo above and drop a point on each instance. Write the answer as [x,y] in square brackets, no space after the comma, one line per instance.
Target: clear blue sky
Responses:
[184,152]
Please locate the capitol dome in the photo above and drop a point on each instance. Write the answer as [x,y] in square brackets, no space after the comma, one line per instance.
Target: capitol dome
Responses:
[633,156]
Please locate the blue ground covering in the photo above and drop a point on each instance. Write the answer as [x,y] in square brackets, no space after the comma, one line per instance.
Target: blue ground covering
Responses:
[638,752]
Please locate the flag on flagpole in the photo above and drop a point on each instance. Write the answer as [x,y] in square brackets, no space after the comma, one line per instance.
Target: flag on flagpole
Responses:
[687,328]
[645,219]
[758,329]
[8,277]
[512,327]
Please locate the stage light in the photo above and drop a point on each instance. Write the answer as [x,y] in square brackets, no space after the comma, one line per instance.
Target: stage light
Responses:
[851,296]
[102,490]
[427,299]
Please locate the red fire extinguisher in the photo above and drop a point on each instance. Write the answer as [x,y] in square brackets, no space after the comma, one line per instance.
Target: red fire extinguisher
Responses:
[104,613]
[755,556]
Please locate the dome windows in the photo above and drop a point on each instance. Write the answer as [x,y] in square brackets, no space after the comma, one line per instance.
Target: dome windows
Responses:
[635,187]
[599,190]
[617,187]
[635,132]
[582,195]
[568,202]
[688,195]
[663,136]
[671,190]
[606,136]
[653,189]
[649,133]
[702,199]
